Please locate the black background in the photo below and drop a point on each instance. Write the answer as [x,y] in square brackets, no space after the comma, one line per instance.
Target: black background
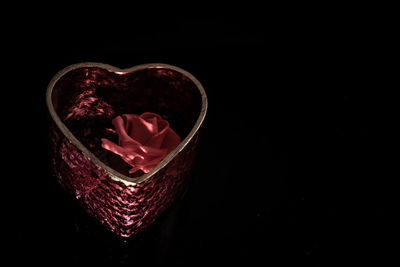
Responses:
[289,171]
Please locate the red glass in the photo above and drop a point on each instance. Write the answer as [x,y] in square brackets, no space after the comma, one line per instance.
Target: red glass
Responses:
[83,99]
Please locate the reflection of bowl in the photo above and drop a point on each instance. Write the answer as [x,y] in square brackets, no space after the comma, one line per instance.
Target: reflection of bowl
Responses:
[83,99]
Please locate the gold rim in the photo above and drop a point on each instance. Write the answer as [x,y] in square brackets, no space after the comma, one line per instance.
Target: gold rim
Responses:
[117,176]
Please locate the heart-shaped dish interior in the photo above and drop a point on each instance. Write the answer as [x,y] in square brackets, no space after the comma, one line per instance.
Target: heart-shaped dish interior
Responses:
[87,98]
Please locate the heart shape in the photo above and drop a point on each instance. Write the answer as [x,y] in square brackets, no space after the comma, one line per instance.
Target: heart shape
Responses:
[82,100]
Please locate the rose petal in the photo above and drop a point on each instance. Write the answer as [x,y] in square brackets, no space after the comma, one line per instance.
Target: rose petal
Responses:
[171,140]
[129,153]
[119,125]
[139,129]
[144,140]
[149,116]
[157,139]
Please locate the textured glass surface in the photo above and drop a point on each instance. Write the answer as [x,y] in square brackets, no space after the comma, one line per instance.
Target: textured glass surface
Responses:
[86,100]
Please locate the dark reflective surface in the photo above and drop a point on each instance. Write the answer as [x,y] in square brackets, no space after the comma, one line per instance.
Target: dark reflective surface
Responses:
[290,170]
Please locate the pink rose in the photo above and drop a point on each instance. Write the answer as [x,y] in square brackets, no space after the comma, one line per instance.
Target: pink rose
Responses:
[143,140]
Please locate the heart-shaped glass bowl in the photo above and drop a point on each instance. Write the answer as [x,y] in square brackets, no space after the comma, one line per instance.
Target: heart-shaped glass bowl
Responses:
[83,99]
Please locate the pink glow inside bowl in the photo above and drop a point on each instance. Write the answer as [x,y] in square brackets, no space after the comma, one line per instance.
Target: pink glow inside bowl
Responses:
[83,99]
